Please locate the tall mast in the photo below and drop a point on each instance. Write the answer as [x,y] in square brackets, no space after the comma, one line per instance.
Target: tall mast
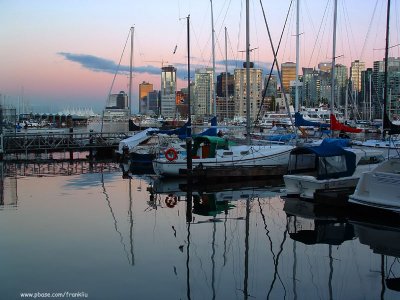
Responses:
[188,74]
[296,103]
[226,73]
[214,109]
[247,71]
[370,97]
[385,90]
[130,74]
[333,59]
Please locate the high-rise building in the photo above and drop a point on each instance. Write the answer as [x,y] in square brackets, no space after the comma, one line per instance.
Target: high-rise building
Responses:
[203,92]
[272,87]
[341,82]
[144,89]
[288,72]
[241,91]
[316,87]
[221,87]
[355,74]
[118,101]
[152,102]
[365,103]
[117,106]
[168,90]
[378,77]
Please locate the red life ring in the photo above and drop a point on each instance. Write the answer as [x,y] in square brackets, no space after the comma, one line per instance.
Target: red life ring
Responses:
[171,200]
[171,154]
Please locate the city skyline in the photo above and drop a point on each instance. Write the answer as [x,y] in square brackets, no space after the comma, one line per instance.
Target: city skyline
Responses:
[65,53]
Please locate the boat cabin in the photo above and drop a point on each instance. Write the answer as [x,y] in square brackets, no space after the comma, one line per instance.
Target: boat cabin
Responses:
[325,161]
[207,146]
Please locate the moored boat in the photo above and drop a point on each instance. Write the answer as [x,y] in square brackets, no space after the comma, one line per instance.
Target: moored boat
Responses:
[331,168]
[380,188]
[216,152]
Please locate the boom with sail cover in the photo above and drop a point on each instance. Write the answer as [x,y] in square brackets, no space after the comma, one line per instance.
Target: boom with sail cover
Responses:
[336,125]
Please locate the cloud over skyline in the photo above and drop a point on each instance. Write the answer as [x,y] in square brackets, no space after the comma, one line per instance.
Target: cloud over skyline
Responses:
[99,64]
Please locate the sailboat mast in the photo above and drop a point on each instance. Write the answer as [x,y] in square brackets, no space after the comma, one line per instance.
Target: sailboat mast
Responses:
[370,97]
[213,62]
[188,74]
[296,103]
[226,72]
[385,90]
[130,74]
[333,59]
[247,71]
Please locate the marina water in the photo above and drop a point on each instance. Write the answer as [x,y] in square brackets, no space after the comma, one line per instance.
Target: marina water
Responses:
[81,228]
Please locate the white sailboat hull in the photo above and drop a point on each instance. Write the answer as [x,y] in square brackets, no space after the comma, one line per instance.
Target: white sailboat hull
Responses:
[275,155]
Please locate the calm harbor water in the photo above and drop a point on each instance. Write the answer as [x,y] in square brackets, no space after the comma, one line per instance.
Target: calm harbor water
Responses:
[80,228]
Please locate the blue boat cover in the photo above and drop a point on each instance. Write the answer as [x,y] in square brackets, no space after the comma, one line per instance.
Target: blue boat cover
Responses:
[211,131]
[299,121]
[281,137]
[182,132]
[330,148]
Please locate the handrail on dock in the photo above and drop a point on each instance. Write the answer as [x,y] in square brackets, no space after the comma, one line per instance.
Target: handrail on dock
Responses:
[56,141]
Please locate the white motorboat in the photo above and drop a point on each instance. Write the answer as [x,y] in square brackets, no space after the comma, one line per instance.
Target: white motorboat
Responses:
[213,152]
[380,187]
[329,167]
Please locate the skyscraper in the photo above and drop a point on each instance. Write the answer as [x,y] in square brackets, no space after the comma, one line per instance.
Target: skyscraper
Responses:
[255,91]
[203,92]
[168,90]
[221,78]
[144,89]
[288,72]
[341,82]
[355,74]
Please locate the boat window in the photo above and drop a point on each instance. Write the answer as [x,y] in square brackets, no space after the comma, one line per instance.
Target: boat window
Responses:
[244,152]
[331,165]
[301,162]
[228,153]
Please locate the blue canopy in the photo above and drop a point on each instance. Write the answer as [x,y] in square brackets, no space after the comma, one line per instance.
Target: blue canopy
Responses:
[210,131]
[299,121]
[325,161]
[181,132]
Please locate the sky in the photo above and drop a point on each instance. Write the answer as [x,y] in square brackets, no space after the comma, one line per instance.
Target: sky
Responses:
[58,54]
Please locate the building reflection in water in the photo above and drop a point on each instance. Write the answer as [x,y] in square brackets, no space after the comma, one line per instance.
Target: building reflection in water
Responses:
[8,188]
[194,241]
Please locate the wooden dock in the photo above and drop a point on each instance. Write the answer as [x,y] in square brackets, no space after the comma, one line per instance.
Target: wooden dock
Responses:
[50,142]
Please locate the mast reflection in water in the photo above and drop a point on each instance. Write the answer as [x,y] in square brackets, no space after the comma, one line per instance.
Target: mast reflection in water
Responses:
[143,238]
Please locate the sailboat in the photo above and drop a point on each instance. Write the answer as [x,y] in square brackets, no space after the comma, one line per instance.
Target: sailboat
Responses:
[215,157]
[380,188]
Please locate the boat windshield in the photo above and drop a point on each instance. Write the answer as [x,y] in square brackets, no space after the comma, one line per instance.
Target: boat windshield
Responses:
[332,165]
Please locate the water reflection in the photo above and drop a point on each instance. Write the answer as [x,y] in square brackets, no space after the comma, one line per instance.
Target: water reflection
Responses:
[149,238]
[383,240]
[308,225]
[8,189]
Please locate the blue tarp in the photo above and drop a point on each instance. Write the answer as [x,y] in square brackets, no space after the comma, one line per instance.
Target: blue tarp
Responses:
[329,148]
[181,132]
[210,131]
[299,121]
[281,137]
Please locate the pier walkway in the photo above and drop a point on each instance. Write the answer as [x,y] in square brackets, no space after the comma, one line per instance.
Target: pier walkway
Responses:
[48,142]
